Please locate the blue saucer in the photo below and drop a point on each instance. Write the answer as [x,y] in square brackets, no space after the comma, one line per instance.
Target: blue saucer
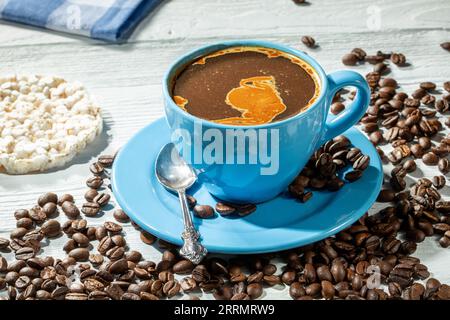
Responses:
[276,225]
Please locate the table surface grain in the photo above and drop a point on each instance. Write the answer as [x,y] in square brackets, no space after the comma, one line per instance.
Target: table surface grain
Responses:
[126,79]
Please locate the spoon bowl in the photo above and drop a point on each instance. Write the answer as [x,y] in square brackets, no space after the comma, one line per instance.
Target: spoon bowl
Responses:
[172,171]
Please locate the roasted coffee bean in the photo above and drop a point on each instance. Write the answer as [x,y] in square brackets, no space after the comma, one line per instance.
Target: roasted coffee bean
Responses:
[102,199]
[224,209]
[79,254]
[65,197]
[51,228]
[386,195]
[439,181]
[353,175]
[409,165]
[4,243]
[70,209]
[360,53]
[46,198]
[121,216]
[444,165]
[90,209]
[443,206]
[96,168]
[308,41]
[94,182]
[272,280]
[288,277]
[96,259]
[337,108]
[90,195]
[203,211]
[376,137]
[118,267]
[112,227]
[374,59]
[350,59]
[37,215]
[183,267]
[18,233]
[428,86]
[188,284]
[106,160]
[171,288]
[21,213]
[147,238]
[25,253]
[296,290]
[81,239]
[398,59]
[430,159]
[200,274]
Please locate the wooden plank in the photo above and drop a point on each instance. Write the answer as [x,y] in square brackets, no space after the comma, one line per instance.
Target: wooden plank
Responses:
[188,19]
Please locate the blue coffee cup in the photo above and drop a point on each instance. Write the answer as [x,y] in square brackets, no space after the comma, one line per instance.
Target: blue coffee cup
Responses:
[252,164]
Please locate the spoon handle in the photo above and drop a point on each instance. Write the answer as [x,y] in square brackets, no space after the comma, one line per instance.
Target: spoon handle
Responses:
[192,248]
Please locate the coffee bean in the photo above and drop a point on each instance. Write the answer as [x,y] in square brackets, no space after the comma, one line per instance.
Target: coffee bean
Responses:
[350,59]
[118,267]
[386,195]
[4,243]
[21,213]
[106,160]
[429,86]
[102,199]
[18,233]
[37,215]
[147,238]
[245,209]
[121,216]
[70,210]
[51,228]
[96,168]
[112,227]
[398,59]
[90,195]
[171,288]
[445,46]
[224,209]
[203,211]
[337,108]
[74,296]
[90,209]
[439,181]
[65,197]
[94,182]
[79,254]
[430,159]
[374,59]
[353,175]
[444,165]
[409,165]
[80,239]
[46,198]
[183,267]
[308,41]
[25,253]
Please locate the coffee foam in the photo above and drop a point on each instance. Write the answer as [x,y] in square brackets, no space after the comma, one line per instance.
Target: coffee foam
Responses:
[265,103]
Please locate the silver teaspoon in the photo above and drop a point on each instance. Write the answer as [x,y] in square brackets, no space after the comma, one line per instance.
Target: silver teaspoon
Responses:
[177,175]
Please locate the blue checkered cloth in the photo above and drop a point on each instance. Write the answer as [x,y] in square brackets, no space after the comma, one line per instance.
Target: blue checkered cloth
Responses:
[109,20]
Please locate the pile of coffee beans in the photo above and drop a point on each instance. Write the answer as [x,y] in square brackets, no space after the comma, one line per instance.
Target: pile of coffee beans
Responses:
[322,170]
[370,260]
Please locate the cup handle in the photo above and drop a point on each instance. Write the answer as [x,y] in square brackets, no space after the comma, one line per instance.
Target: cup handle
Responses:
[352,113]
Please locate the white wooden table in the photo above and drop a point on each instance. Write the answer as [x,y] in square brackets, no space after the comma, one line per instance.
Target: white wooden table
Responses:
[126,79]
